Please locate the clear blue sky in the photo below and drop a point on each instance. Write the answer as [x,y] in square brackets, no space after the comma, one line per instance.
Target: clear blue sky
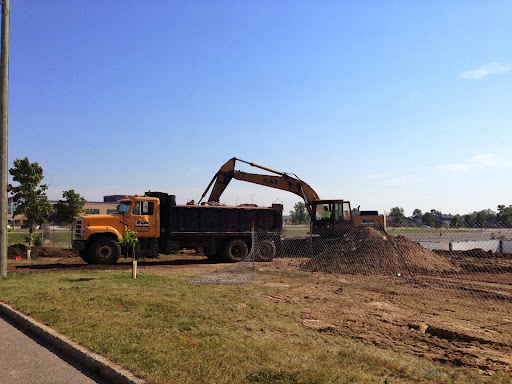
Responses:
[383,103]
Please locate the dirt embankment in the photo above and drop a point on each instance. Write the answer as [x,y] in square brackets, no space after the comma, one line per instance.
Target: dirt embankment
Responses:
[365,250]
[17,250]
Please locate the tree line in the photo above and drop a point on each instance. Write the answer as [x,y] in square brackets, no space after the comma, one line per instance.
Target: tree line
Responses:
[435,219]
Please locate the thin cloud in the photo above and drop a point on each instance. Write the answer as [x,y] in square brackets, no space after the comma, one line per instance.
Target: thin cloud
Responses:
[499,160]
[389,180]
[460,167]
[486,159]
[492,68]
[396,181]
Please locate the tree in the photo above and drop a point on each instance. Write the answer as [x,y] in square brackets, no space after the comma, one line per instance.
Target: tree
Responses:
[429,219]
[505,215]
[469,220]
[71,207]
[299,214]
[29,196]
[417,213]
[397,213]
[481,219]
[456,221]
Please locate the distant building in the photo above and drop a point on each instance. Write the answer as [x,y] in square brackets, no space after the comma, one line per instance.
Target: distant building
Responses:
[113,198]
[99,208]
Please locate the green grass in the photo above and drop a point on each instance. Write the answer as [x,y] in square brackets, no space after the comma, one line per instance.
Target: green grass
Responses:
[295,230]
[166,330]
[301,230]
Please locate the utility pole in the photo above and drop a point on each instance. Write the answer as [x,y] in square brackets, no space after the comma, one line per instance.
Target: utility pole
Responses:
[4,89]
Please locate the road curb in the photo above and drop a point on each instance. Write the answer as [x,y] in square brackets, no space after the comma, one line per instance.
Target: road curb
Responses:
[97,364]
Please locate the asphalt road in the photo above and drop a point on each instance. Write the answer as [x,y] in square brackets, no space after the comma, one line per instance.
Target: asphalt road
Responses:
[27,360]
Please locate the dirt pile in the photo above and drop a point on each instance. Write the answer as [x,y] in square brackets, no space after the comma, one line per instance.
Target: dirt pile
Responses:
[36,252]
[365,250]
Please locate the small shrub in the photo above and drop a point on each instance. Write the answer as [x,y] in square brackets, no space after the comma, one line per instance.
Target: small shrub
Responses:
[129,239]
[29,239]
[38,241]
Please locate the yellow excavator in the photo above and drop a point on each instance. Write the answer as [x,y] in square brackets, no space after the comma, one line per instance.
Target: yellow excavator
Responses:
[325,214]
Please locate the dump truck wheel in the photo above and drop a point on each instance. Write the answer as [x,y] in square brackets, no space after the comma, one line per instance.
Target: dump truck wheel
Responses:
[236,250]
[266,251]
[84,256]
[104,251]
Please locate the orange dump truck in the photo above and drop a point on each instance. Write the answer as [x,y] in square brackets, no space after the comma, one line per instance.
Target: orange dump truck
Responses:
[163,227]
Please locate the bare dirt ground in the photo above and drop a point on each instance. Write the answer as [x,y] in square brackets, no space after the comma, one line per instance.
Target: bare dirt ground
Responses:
[47,259]
[423,316]
[451,307]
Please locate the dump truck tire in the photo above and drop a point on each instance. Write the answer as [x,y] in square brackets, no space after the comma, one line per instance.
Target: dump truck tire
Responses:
[104,251]
[266,251]
[84,256]
[235,250]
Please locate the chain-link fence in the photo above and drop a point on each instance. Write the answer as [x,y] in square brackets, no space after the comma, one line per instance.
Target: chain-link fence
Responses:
[444,293]
[48,234]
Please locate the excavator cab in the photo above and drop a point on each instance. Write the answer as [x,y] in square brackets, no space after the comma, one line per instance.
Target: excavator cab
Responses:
[331,214]
[333,211]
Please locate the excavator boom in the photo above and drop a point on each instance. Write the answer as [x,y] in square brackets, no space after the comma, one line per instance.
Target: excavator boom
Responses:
[342,214]
[283,181]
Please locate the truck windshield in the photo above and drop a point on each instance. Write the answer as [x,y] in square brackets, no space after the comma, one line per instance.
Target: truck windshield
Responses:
[124,207]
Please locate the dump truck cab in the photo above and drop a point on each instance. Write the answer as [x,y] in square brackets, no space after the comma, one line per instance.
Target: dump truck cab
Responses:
[96,236]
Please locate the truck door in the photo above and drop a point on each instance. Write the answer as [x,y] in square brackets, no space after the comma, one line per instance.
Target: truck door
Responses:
[145,218]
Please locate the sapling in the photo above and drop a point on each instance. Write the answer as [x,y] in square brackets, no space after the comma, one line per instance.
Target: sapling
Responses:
[128,241]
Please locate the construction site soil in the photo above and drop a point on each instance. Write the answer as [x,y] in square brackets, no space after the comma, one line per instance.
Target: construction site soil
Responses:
[452,307]
[36,252]
[365,250]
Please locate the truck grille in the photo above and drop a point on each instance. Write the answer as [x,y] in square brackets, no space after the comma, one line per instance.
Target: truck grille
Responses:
[79,228]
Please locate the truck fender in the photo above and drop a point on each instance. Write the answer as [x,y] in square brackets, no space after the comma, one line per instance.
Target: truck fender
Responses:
[91,233]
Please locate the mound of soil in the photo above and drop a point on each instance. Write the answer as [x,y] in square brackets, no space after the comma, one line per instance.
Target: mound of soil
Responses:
[36,252]
[365,250]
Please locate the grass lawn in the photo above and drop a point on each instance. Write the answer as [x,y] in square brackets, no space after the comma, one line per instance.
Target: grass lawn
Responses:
[169,331]
[295,230]
[303,230]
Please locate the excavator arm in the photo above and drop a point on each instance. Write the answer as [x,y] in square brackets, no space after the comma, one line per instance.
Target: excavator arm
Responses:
[282,180]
